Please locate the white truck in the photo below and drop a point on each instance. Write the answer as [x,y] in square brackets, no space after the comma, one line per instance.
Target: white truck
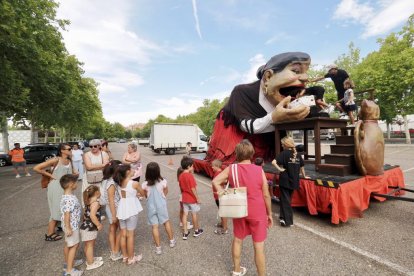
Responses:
[170,137]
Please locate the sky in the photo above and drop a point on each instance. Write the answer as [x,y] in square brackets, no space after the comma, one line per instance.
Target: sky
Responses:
[165,57]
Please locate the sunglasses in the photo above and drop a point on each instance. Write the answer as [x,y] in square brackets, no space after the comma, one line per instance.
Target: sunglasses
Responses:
[67,148]
[95,146]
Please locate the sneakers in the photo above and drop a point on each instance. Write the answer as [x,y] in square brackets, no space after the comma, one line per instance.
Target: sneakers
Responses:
[116,256]
[221,232]
[282,222]
[74,272]
[185,235]
[135,259]
[17,175]
[198,232]
[94,265]
[97,259]
[28,174]
[158,250]
[173,242]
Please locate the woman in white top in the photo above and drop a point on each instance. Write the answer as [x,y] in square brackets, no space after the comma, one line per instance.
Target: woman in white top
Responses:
[128,209]
[77,158]
[94,160]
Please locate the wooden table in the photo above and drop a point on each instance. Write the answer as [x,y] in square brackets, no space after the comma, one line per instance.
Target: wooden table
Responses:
[315,124]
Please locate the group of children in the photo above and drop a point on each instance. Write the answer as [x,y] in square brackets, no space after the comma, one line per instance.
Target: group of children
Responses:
[119,195]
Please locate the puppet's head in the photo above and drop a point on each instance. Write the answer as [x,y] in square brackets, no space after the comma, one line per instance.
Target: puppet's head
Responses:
[284,75]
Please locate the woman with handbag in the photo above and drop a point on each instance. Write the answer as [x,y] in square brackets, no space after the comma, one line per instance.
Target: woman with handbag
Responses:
[94,160]
[259,212]
[62,165]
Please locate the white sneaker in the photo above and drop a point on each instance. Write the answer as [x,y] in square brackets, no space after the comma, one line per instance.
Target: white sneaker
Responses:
[94,265]
[158,250]
[28,174]
[17,175]
[97,259]
[116,256]
[173,242]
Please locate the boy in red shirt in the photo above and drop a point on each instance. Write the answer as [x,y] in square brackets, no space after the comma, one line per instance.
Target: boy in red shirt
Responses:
[190,199]
[18,160]
[216,166]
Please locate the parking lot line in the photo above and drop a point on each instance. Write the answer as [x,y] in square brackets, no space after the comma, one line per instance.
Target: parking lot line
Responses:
[35,181]
[358,250]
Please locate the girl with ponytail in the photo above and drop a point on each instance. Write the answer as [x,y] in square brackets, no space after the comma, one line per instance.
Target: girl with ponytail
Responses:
[289,163]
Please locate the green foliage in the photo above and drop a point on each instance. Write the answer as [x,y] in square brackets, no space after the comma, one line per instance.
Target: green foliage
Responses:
[40,81]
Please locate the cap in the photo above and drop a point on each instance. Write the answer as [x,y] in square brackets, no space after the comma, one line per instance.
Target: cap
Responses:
[332,66]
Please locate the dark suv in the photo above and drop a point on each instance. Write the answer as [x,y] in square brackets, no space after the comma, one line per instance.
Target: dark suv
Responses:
[37,153]
[4,159]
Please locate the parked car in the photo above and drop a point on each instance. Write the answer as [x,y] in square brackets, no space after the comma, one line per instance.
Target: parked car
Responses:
[122,141]
[36,153]
[326,136]
[4,159]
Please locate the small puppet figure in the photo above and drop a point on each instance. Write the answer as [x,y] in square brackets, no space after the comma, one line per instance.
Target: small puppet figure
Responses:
[369,140]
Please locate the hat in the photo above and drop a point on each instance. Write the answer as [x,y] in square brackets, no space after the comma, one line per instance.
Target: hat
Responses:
[278,62]
[332,66]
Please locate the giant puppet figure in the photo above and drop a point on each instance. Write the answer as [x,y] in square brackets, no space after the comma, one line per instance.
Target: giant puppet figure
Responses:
[253,108]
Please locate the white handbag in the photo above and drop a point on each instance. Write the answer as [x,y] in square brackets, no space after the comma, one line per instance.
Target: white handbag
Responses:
[233,202]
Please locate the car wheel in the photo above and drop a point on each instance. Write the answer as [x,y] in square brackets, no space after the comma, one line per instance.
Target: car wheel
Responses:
[170,151]
[3,162]
[47,157]
[327,138]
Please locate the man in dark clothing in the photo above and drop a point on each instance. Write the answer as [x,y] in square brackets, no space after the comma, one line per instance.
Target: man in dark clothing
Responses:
[338,76]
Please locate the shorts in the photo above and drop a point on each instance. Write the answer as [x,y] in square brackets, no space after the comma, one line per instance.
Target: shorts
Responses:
[317,91]
[191,207]
[257,228]
[349,108]
[73,239]
[87,235]
[108,213]
[137,178]
[19,164]
[129,223]
[159,216]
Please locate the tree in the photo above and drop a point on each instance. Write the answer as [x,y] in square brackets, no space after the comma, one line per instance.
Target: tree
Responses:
[390,71]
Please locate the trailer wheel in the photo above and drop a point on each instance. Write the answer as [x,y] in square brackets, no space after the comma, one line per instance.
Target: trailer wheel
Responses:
[170,151]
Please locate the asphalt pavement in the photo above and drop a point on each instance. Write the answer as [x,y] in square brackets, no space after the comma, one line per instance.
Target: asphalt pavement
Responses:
[380,243]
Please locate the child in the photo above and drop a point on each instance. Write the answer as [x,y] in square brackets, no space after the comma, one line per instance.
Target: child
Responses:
[188,148]
[71,212]
[260,162]
[128,210]
[189,225]
[91,225]
[156,190]
[289,178]
[190,199]
[216,166]
[112,198]
[347,104]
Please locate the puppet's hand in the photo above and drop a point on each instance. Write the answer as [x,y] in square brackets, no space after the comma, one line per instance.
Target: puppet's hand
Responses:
[283,114]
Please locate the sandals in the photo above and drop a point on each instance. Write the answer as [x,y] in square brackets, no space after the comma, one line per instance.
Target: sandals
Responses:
[135,259]
[242,272]
[53,237]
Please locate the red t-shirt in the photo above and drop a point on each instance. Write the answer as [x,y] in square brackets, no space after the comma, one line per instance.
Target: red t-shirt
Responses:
[214,188]
[187,181]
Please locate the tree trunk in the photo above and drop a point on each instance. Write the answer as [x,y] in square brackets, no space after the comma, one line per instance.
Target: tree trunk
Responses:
[388,131]
[4,133]
[406,130]
[46,135]
[32,132]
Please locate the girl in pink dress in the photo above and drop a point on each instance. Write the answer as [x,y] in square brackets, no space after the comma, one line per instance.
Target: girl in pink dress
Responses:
[258,203]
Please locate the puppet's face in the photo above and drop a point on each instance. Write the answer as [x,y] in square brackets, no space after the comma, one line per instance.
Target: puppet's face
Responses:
[289,82]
